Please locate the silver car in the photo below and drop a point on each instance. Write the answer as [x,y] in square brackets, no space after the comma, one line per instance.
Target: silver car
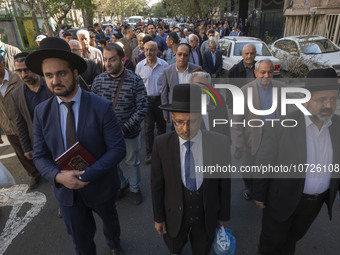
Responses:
[299,54]
[232,46]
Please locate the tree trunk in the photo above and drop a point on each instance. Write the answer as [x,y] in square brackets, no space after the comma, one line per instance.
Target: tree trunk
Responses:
[86,18]
[35,22]
[198,8]
[43,14]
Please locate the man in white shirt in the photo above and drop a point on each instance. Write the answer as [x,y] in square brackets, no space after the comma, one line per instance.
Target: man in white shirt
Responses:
[290,204]
[151,70]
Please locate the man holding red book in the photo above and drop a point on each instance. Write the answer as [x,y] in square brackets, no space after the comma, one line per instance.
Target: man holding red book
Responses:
[75,115]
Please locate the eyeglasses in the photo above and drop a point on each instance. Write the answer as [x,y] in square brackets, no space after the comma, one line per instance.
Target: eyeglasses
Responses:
[325,100]
[181,123]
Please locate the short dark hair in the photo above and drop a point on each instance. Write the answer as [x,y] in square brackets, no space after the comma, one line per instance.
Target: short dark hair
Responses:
[63,26]
[147,38]
[211,31]
[102,41]
[118,35]
[95,25]
[115,47]
[66,33]
[160,27]
[174,37]
[151,24]
[20,57]
[185,44]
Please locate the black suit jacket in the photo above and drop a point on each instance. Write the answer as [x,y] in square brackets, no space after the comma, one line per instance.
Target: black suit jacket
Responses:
[287,146]
[166,182]
[208,64]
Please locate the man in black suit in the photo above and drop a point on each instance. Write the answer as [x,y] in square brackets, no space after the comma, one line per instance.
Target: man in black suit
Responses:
[212,60]
[289,204]
[185,203]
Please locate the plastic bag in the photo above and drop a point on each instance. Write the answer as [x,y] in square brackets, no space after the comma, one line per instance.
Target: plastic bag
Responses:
[224,242]
[6,179]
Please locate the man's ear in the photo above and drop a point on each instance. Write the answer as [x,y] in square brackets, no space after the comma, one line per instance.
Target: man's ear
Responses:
[75,73]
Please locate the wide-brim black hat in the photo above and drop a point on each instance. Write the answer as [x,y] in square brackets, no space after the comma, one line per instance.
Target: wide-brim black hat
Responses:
[322,79]
[53,47]
[186,98]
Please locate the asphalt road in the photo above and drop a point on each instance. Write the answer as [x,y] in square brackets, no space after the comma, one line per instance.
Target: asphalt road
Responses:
[45,233]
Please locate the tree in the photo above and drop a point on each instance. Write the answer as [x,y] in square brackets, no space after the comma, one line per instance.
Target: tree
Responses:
[87,8]
[158,10]
[201,9]
[58,9]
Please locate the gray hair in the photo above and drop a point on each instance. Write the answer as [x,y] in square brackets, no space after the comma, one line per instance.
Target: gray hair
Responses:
[203,75]
[250,46]
[212,40]
[141,35]
[192,36]
[75,41]
[266,60]
[83,32]
[153,43]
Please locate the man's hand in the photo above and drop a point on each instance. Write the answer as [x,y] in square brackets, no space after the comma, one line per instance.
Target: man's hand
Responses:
[160,227]
[213,76]
[260,204]
[29,155]
[70,179]
[167,120]
[222,224]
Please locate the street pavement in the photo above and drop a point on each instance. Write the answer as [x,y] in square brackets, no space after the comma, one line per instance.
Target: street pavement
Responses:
[45,233]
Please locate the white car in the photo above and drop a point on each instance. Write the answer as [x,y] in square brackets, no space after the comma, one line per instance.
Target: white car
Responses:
[300,54]
[231,47]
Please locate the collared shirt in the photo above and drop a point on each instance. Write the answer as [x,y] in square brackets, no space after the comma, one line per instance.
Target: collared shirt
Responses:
[152,77]
[213,55]
[63,113]
[319,152]
[182,77]
[266,99]
[197,152]
[249,71]
[35,98]
[160,43]
[4,84]
[170,57]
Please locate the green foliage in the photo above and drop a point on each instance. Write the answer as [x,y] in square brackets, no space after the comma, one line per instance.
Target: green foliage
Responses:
[193,8]
[31,48]
[158,10]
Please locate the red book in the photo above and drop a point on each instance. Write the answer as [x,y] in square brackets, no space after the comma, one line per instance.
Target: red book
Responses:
[75,158]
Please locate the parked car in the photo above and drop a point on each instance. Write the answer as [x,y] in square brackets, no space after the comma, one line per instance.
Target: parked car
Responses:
[299,54]
[133,20]
[108,23]
[232,46]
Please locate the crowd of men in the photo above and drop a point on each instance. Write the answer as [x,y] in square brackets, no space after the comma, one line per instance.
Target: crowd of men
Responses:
[98,92]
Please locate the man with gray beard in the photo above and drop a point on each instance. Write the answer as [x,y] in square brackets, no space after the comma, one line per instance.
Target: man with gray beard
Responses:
[290,204]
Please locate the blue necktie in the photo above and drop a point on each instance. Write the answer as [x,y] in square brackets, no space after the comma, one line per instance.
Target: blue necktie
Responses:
[190,179]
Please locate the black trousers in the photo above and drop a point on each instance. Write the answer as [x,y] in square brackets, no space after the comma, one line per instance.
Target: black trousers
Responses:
[279,238]
[154,115]
[81,224]
[199,239]
[26,163]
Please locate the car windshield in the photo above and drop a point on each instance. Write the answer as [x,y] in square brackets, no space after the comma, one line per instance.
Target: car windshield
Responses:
[261,48]
[318,46]
[134,20]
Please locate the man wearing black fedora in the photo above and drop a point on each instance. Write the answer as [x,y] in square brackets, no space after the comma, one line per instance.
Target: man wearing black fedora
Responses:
[76,115]
[290,204]
[185,202]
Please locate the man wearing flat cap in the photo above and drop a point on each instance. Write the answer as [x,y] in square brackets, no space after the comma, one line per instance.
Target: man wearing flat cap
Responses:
[290,204]
[76,115]
[185,202]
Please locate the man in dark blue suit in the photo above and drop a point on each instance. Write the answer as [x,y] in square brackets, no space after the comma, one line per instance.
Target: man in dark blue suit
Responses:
[76,115]
[212,60]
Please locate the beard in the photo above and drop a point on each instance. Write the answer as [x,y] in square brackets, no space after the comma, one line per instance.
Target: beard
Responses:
[67,91]
[30,80]
[319,117]
[114,70]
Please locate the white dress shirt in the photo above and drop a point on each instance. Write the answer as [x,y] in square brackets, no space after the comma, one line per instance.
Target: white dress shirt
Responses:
[4,84]
[197,152]
[182,77]
[319,151]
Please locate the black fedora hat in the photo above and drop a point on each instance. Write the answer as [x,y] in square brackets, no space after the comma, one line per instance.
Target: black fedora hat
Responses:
[53,47]
[186,98]
[322,79]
